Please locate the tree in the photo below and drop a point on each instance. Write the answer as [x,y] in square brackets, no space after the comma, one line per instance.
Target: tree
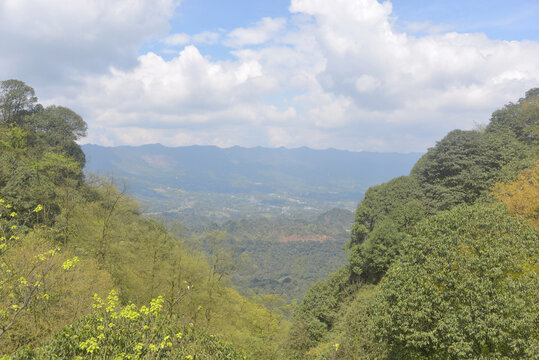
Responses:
[465,287]
[58,128]
[382,199]
[522,195]
[371,259]
[455,171]
[521,119]
[464,165]
[42,287]
[16,100]
[104,240]
[131,332]
[64,123]
[382,219]
[223,262]
[318,312]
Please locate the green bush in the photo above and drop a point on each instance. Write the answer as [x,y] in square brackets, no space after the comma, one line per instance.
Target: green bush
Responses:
[464,287]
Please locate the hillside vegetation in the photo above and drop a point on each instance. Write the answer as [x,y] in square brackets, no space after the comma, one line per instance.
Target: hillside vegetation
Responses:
[67,242]
[279,255]
[444,262]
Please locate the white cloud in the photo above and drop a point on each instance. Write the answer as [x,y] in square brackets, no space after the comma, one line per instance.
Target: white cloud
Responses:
[333,74]
[344,79]
[180,39]
[206,37]
[186,93]
[177,39]
[427,27]
[436,82]
[262,32]
[366,83]
[54,41]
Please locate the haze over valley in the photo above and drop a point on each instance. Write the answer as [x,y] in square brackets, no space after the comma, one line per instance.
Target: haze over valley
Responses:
[220,184]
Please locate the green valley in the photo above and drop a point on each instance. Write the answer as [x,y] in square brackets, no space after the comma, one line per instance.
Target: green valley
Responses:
[440,262]
[215,184]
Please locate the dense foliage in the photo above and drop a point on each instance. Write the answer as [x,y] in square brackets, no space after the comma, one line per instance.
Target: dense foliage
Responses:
[277,255]
[443,263]
[65,238]
[131,333]
[436,268]
[466,287]
[522,195]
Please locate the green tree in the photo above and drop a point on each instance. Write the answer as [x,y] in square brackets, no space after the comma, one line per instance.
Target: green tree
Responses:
[382,199]
[382,220]
[463,284]
[42,288]
[520,119]
[16,101]
[370,260]
[319,311]
[463,166]
[58,128]
[104,240]
[464,287]
[130,332]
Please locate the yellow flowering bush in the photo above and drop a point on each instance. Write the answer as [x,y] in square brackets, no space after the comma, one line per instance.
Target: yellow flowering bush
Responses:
[130,332]
[20,287]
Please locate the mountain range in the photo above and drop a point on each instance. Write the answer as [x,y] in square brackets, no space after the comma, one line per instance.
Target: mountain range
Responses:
[225,183]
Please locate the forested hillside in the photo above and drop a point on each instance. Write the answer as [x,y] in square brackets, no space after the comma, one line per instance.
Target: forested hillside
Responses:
[77,252]
[279,255]
[444,262]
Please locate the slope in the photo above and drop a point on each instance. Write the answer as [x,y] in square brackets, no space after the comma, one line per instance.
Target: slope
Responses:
[438,268]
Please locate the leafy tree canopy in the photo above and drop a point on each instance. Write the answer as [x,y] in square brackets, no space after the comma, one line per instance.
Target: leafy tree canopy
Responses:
[465,287]
[16,100]
[522,195]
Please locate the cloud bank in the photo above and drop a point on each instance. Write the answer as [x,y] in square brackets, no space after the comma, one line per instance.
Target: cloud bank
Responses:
[333,74]
[57,41]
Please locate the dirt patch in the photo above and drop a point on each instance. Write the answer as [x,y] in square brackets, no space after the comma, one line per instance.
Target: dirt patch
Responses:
[319,238]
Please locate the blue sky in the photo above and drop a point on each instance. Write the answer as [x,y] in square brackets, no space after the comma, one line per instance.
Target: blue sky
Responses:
[501,20]
[498,19]
[348,74]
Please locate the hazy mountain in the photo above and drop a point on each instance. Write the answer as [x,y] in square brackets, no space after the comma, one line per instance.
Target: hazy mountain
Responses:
[236,179]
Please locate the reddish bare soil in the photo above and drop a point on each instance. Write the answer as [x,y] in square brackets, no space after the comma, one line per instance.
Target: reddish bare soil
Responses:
[290,238]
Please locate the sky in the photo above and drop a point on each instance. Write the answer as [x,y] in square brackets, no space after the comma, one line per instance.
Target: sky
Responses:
[360,75]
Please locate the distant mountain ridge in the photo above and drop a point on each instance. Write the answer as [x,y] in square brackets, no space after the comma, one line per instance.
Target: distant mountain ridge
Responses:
[286,175]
